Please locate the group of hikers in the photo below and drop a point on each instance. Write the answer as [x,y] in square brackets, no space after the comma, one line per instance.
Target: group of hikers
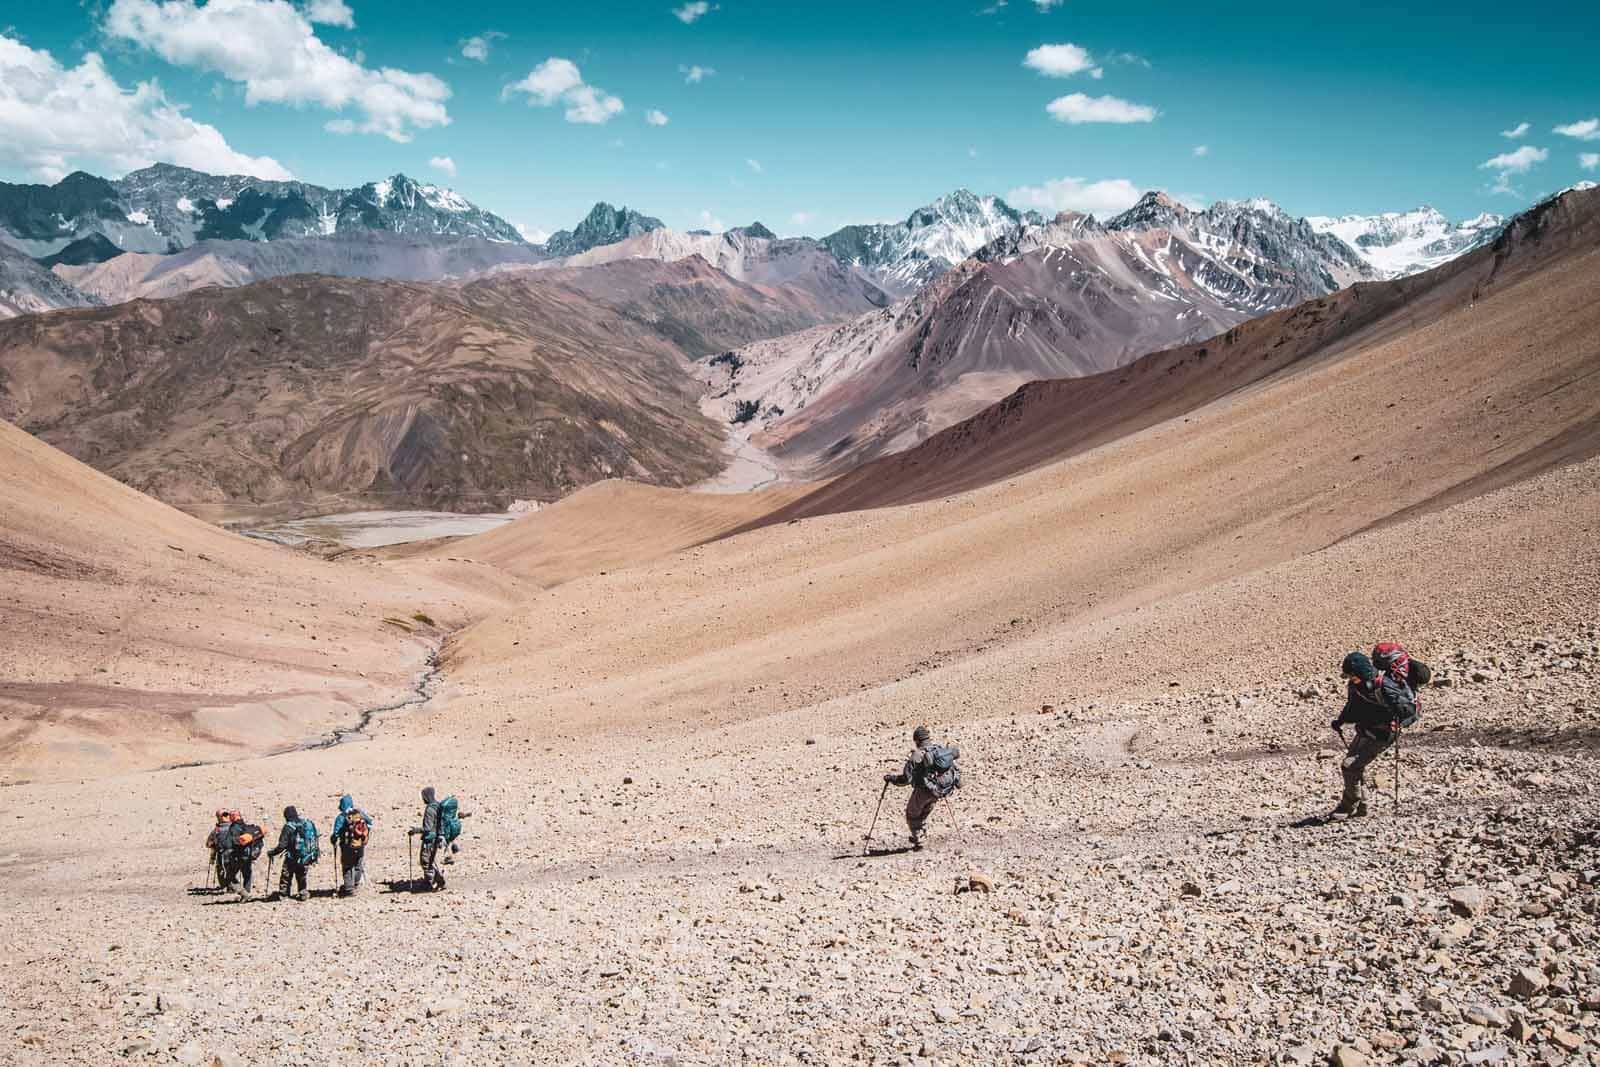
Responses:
[235,844]
[1380,701]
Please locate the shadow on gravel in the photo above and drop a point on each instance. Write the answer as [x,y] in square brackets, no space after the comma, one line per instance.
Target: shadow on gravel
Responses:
[404,885]
[874,853]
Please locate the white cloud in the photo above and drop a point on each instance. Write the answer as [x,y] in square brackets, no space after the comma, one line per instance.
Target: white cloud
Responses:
[1583,130]
[1202,150]
[1058,60]
[994,8]
[532,234]
[656,118]
[558,79]
[755,165]
[1589,160]
[270,47]
[478,48]
[693,10]
[1102,198]
[803,218]
[1509,163]
[708,221]
[1044,6]
[331,13]
[443,163]
[1076,109]
[696,73]
[55,119]
[1516,131]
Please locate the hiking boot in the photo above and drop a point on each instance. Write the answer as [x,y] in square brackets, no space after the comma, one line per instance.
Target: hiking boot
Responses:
[916,842]
[302,896]
[273,898]
[244,895]
[1361,810]
[438,880]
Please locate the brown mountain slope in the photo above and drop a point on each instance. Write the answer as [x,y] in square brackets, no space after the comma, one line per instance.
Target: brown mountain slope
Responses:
[1180,534]
[310,392]
[1063,299]
[132,634]
[1545,263]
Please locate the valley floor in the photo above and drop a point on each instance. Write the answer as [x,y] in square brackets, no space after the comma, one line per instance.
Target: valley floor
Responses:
[1163,893]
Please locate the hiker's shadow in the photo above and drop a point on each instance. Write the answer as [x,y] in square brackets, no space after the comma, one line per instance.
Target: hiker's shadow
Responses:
[874,853]
[404,885]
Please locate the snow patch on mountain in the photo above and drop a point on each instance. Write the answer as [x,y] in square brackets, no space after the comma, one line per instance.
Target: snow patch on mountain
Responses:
[1401,243]
[904,256]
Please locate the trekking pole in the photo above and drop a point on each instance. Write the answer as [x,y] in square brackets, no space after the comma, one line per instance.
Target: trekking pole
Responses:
[1397,733]
[270,861]
[411,877]
[876,811]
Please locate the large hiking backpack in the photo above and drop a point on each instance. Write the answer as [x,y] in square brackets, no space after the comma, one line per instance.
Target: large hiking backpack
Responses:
[449,820]
[940,775]
[306,849]
[246,839]
[356,830]
[1399,677]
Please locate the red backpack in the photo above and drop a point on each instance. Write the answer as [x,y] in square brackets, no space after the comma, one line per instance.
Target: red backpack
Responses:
[356,829]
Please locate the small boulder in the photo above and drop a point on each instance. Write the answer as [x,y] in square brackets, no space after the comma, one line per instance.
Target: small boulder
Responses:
[1349,1056]
[1528,982]
[1468,900]
[975,882]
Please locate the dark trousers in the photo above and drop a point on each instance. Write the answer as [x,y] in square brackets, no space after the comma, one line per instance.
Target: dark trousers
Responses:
[236,868]
[293,872]
[353,862]
[918,808]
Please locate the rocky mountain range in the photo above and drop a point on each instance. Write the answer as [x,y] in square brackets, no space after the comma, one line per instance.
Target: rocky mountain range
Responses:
[904,256]
[802,270]
[1400,243]
[1061,299]
[165,209]
[27,287]
[375,254]
[309,392]
[604,225]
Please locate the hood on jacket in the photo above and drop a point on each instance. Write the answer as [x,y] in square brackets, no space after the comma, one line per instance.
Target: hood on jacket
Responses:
[346,802]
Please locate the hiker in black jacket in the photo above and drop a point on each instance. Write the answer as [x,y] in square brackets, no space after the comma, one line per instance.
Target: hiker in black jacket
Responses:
[241,844]
[1376,704]
[931,773]
[293,870]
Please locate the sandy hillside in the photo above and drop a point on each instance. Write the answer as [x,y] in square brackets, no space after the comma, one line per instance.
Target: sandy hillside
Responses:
[670,765]
[135,635]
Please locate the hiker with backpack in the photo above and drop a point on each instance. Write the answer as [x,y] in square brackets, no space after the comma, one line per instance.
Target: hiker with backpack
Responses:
[215,844]
[297,844]
[441,825]
[932,774]
[351,829]
[242,843]
[1380,701]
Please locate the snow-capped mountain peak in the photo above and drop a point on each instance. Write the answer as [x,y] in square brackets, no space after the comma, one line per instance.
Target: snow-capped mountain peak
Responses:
[1398,243]
[905,256]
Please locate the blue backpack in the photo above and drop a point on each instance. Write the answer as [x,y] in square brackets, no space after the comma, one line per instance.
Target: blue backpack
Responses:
[449,820]
[306,849]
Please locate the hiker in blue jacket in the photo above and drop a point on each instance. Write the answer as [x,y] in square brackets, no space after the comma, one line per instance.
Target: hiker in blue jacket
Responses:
[294,871]
[351,829]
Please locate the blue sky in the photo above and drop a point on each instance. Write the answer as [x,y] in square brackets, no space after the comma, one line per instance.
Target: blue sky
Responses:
[810,116]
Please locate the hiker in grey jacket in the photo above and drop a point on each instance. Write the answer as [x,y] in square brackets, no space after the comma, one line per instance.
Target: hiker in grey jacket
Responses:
[929,784]
[293,870]
[431,840]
